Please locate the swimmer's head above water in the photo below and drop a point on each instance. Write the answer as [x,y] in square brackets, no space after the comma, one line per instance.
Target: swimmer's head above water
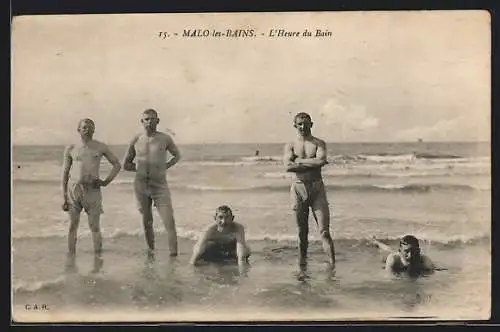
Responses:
[223,217]
[409,248]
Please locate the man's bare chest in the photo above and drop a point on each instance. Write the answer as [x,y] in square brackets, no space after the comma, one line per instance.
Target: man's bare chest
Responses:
[147,146]
[304,149]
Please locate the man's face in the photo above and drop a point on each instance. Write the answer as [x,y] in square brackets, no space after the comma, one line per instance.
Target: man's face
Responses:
[149,121]
[303,126]
[406,251]
[86,128]
[222,219]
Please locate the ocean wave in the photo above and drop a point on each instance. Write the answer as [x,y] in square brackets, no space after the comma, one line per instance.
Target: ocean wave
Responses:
[263,158]
[33,286]
[377,172]
[390,187]
[409,158]
[354,239]
[381,158]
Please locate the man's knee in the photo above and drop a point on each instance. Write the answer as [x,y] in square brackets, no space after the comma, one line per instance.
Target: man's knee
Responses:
[95,229]
[94,223]
[73,227]
[74,221]
[325,235]
[167,214]
[145,210]
[147,222]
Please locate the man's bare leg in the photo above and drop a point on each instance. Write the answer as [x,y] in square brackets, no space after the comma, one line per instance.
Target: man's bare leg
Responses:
[301,218]
[147,222]
[167,215]
[72,237]
[321,213]
[94,225]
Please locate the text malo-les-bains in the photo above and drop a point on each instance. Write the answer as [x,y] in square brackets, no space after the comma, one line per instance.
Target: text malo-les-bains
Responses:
[217,33]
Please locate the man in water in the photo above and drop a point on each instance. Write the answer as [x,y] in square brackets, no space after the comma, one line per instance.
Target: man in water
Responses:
[222,241]
[149,150]
[81,187]
[408,258]
[305,157]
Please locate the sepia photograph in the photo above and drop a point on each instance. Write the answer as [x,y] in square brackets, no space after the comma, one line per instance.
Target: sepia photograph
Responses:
[235,167]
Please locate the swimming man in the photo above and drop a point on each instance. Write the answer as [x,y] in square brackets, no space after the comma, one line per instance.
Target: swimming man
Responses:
[305,157]
[408,258]
[81,187]
[149,150]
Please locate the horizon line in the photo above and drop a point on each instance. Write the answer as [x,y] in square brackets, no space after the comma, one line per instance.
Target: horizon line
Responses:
[284,142]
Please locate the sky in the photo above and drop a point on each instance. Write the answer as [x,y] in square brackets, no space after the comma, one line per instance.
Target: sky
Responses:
[381,77]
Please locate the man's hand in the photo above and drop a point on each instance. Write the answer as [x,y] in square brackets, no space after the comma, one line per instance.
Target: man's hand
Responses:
[129,166]
[100,183]
[65,206]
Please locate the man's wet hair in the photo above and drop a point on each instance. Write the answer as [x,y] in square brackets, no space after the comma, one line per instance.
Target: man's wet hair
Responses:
[224,209]
[150,111]
[88,120]
[412,241]
[302,115]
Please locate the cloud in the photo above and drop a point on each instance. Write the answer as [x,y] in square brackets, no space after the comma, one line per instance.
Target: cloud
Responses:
[37,135]
[349,121]
[456,129]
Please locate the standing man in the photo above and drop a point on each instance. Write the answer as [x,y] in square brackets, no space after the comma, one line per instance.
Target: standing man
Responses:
[81,187]
[305,156]
[149,149]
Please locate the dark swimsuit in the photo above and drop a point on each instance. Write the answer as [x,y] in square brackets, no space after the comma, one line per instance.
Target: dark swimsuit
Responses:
[415,270]
[217,252]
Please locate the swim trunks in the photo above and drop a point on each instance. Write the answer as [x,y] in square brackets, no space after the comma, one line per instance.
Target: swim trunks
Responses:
[86,197]
[156,191]
[308,194]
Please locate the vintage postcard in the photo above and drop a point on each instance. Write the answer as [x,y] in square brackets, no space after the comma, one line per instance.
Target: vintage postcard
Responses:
[251,167]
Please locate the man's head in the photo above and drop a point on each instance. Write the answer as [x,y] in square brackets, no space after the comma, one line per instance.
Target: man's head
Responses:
[86,128]
[223,216]
[303,123]
[409,247]
[150,120]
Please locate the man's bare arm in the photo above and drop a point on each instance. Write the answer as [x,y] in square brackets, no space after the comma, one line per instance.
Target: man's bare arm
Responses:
[128,160]
[390,262]
[428,265]
[200,246]
[289,160]
[174,151]
[381,245]
[67,163]
[319,160]
[115,162]
[242,248]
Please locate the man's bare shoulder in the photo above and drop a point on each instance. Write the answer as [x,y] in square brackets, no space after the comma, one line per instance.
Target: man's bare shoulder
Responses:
[165,137]
[136,137]
[209,230]
[100,146]
[427,262]
[318,141]
[68,149]
[392,258]
[238,227]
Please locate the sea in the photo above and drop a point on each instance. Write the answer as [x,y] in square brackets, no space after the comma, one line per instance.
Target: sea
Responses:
[439,192]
